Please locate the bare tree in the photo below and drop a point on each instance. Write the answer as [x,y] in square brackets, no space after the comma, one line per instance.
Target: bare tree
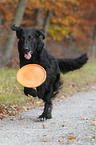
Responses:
[92,46]
[46,25]
[41,22]
[11,35]
[0,30]
[39,17]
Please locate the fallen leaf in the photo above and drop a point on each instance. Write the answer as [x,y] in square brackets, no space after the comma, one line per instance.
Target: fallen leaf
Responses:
[1,111]
[63,97]
[84,118]
[25,108]
[45,140]
[52,122]
[50,130]
[3,116]
[44,135]
[93,137]
[70,141]
[60,140]
[44,127]
[63,125]
[71,137]
[11,119]
[21,118]
[93,121]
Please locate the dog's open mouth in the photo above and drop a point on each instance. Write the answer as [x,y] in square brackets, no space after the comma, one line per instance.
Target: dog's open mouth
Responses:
[28,55]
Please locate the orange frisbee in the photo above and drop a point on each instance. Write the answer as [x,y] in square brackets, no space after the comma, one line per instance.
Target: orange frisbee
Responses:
[31,75]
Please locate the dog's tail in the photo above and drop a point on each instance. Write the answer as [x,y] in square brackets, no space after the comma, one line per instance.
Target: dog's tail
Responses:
[72,64]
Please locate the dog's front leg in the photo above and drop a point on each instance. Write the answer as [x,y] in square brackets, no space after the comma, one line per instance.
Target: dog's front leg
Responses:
[46,96]
[30,91]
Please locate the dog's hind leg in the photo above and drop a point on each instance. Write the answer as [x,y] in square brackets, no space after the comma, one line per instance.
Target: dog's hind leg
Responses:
[30,91]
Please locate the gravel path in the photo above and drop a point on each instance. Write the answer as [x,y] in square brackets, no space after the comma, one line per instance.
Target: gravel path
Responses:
[72,117]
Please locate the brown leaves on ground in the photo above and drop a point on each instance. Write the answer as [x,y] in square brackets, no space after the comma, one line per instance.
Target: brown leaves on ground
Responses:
[60,140]
[6,111]
[85,119]
[44,127]
[63,125]
[52,122]
[71,137]
[45,140]
[13,109]
[94,122]
[89,120]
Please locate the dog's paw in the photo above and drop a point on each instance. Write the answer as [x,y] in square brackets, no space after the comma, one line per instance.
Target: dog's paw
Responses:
[40,119]
[30,91]
[44,117]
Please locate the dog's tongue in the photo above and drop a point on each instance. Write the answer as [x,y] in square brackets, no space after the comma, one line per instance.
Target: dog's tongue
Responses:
[28,56]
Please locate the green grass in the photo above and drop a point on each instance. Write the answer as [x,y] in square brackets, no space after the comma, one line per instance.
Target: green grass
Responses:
[12,97]
[10,90]
[11,93]
[79,80]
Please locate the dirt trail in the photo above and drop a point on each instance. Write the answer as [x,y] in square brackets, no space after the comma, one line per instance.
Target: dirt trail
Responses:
[72,117]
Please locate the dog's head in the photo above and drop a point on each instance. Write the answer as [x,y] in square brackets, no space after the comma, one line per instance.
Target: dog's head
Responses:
[28,39]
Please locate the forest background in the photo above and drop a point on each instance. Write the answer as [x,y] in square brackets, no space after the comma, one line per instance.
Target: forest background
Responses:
[70,26]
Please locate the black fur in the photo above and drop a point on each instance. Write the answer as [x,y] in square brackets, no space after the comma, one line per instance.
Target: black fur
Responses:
[31,51]
[72,64]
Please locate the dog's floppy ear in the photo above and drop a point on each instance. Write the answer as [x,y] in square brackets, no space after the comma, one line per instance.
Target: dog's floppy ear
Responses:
[17,29]
[40,32]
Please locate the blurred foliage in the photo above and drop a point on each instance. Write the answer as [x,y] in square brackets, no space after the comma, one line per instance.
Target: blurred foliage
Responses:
[70,18]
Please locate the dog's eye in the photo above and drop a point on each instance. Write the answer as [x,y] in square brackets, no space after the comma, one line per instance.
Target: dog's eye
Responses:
[29,37]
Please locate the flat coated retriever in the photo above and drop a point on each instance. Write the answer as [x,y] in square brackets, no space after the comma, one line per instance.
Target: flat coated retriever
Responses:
[31,51]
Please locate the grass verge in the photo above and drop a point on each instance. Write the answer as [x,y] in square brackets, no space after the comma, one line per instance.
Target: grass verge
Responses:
[13,100]
[80,80]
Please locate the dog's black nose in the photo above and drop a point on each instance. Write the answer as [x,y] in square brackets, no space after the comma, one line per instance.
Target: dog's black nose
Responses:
[26,49]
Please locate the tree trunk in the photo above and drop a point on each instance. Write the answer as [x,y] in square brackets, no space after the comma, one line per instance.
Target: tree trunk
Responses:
[39,17]
[94,51]
[0,30]
[92,47]
[47,21]
[11,35]
[40,20]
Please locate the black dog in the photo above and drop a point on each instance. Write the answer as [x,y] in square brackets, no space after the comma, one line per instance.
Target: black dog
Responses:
[31,51]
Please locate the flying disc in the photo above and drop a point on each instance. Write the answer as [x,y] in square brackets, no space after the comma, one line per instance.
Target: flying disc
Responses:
[31,75]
